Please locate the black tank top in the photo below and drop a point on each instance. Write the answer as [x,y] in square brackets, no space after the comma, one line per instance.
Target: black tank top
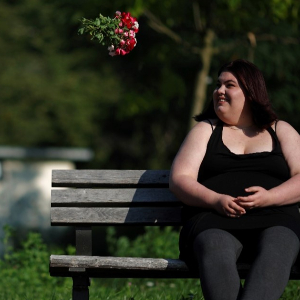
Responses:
[228,173]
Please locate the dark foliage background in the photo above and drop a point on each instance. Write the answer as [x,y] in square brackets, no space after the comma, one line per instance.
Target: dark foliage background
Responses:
[59,88]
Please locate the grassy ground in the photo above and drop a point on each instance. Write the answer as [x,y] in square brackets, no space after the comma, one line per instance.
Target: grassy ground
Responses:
[159,289]
[146,289]
[162,289]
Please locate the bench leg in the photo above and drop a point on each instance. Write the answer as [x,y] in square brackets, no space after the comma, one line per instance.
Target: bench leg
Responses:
[80,288]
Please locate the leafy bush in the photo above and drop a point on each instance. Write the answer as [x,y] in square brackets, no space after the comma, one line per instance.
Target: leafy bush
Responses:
[155,242]
[25,271]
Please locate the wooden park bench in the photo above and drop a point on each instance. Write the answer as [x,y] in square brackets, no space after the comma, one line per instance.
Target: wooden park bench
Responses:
[115,198]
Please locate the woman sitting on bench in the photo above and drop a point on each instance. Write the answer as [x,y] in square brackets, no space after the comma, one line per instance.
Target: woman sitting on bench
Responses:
[238,175]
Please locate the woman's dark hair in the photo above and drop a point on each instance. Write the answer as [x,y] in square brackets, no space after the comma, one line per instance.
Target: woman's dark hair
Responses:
[252,83]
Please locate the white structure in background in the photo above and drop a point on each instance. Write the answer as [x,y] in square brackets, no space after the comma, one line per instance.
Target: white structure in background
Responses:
[25,185]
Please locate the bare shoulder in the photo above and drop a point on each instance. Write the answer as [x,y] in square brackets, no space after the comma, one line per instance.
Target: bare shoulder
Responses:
[192,150]
[285,131]
[197,138]
[202,129]
[289,140]
[209,123]
[283,124]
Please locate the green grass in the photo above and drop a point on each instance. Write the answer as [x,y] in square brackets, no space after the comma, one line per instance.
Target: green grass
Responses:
[148,289]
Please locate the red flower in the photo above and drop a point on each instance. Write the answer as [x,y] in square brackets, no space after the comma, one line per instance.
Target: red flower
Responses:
[128,20]
[130,43]
[121,51]
[118,33]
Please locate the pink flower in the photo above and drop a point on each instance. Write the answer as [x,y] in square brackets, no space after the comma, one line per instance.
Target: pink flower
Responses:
[120,51]
[135,27]
[128,40]
[131,33]
[118,13]
[111,48]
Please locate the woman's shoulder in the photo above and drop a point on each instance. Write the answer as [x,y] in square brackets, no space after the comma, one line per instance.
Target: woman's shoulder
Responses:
[212,123]
[285,131]
[289,139]
[202,130]
[282,127]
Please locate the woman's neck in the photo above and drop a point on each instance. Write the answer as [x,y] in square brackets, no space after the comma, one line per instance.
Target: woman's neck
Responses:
[241,127]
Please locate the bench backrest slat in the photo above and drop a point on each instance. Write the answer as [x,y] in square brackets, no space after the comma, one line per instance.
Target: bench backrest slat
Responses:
[115,216]
[109,178]
[113,197]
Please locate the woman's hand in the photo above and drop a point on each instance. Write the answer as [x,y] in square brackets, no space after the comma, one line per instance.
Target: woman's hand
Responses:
[260,197]
[227,205]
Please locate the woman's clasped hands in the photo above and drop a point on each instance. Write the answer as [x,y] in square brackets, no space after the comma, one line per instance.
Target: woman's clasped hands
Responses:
[259,197]
[227,205]
[236,207]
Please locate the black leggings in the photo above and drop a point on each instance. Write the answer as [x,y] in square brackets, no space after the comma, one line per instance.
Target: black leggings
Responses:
[217,251]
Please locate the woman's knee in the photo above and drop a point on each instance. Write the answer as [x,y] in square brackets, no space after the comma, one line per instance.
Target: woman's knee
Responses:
[280,241]
[212,241]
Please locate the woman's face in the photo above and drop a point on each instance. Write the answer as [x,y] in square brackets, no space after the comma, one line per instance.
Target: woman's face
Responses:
[230,103]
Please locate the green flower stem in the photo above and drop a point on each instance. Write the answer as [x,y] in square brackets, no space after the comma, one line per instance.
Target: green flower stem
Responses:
[102,28]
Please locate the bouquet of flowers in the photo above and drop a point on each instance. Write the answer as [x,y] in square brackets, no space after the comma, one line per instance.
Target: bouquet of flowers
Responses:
[117,33]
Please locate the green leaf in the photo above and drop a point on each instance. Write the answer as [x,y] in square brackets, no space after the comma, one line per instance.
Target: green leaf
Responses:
[99,36]
[81,30]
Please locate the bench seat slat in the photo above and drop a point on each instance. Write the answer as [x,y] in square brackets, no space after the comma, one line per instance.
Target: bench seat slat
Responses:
[113,197]
[107,178]
[116,216]
[134,267]
[126,263]
[119,267]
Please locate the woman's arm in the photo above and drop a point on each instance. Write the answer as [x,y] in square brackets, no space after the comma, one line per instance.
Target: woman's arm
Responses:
[289,191]
[184,174]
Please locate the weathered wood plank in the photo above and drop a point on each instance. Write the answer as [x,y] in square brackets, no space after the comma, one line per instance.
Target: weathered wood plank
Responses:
[109,178]
[116,216]
[119,267]
[134,267]
[125,263]
[113,197]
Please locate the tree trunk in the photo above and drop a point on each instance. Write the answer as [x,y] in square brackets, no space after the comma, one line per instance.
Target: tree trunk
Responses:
[206,55]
